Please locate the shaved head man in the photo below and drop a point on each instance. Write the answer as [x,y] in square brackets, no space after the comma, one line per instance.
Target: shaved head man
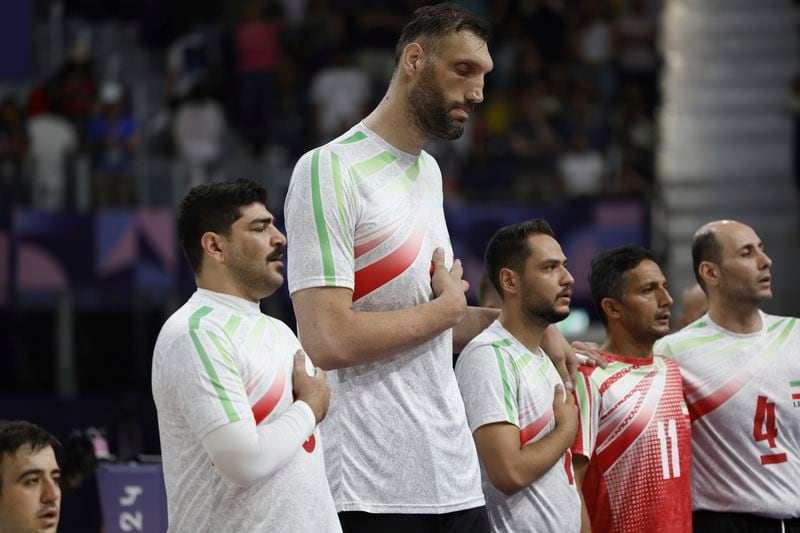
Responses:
[694,304]
[741,374]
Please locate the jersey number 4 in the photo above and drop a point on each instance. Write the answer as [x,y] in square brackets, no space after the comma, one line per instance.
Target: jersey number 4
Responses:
[764,429]
[669,448]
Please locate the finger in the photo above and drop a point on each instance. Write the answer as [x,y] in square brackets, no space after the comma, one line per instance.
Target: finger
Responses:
[561,366]
[464,285]
[558,394]
[438,258]
[457,268]
[318,372]
[570,399]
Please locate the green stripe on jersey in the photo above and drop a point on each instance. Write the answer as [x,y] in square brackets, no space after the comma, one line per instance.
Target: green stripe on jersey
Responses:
[775,325]
[694,343]
[232,326]
[357,136]
[336,166]
[363,170]
[194,324]
[506,387]
[256,334]
[794,383]
[328,270]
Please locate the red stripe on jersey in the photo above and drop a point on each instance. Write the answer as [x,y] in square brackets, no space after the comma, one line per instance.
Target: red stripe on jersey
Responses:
[774,459]
[705,405]
[636,423]
[796,396]
[384,270]
[267,403]
[614,378]
[534,428]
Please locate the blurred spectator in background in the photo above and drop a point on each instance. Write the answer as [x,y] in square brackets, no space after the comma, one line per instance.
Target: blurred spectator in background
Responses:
[795,109]
[191,59]
[694,304]
[487,294]
[13,147]
[199,131]
[30,496]
[52,140]
[74,88]
[593,45]
[113,138]
[534,146]
[340,95]
[582,168]
[635,35]
[257,53]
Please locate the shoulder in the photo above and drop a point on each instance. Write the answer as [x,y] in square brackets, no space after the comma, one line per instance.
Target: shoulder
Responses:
[488,344]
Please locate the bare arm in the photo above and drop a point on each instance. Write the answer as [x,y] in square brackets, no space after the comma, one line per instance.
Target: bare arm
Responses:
[563,355]
[510,467]
[336,336]
[476,320]
[579,465]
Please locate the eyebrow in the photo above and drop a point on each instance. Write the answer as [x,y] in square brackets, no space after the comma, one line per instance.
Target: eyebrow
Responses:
[265,220]
[474,64]
[36,471]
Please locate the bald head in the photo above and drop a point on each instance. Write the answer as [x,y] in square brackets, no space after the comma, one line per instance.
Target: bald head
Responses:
[729,257]
[694,304]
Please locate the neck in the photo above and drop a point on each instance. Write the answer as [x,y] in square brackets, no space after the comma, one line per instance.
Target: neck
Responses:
[391,121]
[625,345]
[223,285]
[525,330]
[737,317]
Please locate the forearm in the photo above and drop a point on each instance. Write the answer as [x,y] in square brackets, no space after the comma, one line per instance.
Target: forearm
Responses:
[335,338]
[477,320]
[244,454]
[532,461]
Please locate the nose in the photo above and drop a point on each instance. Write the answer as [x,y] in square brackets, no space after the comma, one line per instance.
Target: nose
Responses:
[567,278]
[665,299]
[278,238]
[51,491]
[476,94]
[765,262]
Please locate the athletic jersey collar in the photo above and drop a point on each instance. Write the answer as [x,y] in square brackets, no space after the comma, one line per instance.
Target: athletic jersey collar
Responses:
[239,304]
[501,330]
[638,361]
[403,157]
[739,335]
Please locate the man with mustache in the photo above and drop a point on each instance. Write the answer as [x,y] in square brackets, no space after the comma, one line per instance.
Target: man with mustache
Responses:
[632,450]
[522,419]
[741,373]
[237,408]
[30,495]
[378,294]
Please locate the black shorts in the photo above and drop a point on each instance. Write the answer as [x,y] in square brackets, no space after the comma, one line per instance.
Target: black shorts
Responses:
[713,522]
[467,521]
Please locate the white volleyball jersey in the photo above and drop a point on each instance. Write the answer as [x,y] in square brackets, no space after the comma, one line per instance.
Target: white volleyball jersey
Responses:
[364,215]
[502,381]
[743,394]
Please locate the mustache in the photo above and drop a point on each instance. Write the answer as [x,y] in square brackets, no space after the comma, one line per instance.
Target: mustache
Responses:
[466,106]
[277,254]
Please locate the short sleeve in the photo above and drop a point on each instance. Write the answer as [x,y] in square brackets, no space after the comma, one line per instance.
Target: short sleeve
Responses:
[489,385]
[204,380]
[588,400]
[320,216]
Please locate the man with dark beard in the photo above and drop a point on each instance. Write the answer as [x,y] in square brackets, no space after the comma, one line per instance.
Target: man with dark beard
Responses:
[364,215]
[237,410]
[521,418]
[632,451]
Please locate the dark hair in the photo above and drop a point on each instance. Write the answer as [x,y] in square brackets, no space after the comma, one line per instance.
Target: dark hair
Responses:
[705,247]
[508,248]
[607,278]
[14,434]
[432,23]
[213,207]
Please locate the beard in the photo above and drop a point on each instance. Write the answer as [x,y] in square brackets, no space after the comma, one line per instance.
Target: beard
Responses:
[254,273]
[540,311]
[430,110]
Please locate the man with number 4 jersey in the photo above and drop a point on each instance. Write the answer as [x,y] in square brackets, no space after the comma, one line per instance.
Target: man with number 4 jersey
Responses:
[632,451]
[741,372]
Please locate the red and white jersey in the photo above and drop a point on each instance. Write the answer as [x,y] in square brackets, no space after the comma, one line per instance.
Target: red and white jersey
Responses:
[743,394]
[635,431]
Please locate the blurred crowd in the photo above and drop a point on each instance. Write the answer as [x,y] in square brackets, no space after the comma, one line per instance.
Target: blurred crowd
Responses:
[568,111]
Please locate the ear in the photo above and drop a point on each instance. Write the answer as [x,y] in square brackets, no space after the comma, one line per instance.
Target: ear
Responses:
[508,281]
[213,246]
[709,272]
[411,60]
[611,308]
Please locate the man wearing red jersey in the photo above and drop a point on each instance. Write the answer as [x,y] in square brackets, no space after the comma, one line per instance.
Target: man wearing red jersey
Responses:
[632,452]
